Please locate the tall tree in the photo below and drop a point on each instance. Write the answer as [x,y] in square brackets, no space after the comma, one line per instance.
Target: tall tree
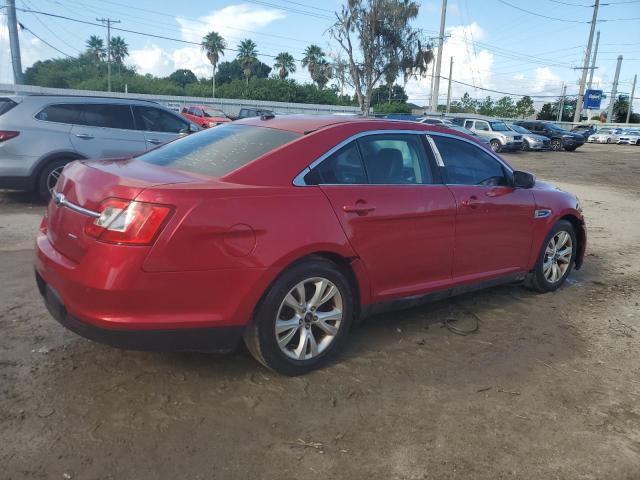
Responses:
[213,44]
[374,34]
[524,107]
[119,51]
[505,108]
[340,70]
[285,64]
[247,56]
[314,60]
[183,77]
[95,49]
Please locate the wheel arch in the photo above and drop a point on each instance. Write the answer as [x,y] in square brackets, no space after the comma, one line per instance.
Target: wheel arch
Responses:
[581,236]
[51,157]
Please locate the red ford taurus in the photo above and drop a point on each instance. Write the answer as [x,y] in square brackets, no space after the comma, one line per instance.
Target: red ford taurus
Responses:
[283,231]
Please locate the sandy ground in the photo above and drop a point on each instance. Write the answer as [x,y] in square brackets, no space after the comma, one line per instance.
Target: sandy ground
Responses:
[549,388]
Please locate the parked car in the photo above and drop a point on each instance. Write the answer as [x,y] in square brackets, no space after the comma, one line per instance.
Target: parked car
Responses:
[466,131]
[605,135]
[630,136]
[531,141]
[254,112]
[435,121]
[559,137]
[40,134]
[199,244]
[204,116]
[585,130]
[499,135]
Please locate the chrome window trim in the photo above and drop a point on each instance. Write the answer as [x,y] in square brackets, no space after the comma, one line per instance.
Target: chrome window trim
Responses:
[298,180]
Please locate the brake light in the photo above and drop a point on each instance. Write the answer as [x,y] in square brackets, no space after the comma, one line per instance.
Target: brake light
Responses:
[128,222]
[8,135]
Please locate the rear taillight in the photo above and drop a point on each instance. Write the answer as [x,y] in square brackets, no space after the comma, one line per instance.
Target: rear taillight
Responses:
[8,135]
[128,222]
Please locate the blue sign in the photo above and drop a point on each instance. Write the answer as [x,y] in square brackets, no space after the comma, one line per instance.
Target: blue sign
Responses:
[592,99]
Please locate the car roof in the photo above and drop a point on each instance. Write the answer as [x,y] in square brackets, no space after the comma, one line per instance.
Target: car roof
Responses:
[308,123]
[83,97]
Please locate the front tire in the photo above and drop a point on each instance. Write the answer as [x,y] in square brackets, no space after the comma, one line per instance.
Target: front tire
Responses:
[495,146]
[556,145]
[303,319]
[556,259]
[525,146]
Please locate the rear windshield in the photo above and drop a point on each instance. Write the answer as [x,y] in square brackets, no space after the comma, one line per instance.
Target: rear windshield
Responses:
[219,150]
[6,104]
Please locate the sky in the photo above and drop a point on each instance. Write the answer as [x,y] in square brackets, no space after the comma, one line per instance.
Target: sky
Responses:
[508,46]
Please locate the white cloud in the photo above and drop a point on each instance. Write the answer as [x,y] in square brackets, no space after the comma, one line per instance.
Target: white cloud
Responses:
[230,22]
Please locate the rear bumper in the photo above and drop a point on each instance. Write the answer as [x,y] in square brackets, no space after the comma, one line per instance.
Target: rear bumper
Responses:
[218,339]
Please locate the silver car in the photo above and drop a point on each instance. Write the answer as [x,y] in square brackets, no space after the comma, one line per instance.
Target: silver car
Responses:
[605,135]
[499,135]
[530,140]
[630,136]
[40,134]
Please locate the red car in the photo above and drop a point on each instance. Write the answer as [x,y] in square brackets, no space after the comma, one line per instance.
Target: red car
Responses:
[284,231]
[204,116]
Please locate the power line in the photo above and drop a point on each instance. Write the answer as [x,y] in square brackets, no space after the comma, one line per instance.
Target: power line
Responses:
[290,9]
[22,27]
[28,5]
[540,15]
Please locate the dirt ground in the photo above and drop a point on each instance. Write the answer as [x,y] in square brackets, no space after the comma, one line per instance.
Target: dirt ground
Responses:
[549,388]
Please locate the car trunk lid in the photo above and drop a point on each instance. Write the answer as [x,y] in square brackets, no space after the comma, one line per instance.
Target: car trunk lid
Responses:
[84,185]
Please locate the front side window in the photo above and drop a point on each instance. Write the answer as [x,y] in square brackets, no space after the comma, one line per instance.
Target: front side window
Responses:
[467,164]
[153,119]
[218,151]
[342,167]
[394,159]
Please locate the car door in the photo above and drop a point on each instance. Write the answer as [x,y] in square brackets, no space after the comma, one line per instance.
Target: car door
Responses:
[494,222]
[159,126]
[397,215]
[106,130]
[482,128]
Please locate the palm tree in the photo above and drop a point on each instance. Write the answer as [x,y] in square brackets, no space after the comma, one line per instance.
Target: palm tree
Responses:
[213,44]
[95,49]
[119,51]
[247,56]
[312,61]
[285,64]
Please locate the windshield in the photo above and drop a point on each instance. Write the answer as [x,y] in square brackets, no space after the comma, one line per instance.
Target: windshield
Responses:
[605,130]
[463,130]
[519,129]
[552,126]
[210,112]
[499,127]
[219,150]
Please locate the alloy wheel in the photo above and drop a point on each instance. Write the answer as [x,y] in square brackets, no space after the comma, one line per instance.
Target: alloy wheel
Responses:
[557,257]
[556,144]
[52,178]
[309,318]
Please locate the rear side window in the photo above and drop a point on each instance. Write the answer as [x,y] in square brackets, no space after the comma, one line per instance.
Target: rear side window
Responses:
[219,150]
[6,104]
[153,119]
[394,159]
[467,164]
[342,167]
[107,116]
[61,114]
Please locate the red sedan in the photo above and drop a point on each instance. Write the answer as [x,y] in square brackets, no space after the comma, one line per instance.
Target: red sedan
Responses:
[284,231]
[204,116]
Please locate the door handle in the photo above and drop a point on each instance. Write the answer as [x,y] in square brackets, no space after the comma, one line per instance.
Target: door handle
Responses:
[360,209]
[155,141]
[84,136]
[471,202]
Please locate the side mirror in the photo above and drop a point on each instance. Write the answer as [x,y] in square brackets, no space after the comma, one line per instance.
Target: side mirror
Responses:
[523,179]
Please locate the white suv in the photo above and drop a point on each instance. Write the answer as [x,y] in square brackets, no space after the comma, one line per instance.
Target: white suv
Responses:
[40,134]
[500,136]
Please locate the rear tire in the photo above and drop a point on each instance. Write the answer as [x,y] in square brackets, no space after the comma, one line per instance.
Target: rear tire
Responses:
[288,333]
[556,259]
[49,176]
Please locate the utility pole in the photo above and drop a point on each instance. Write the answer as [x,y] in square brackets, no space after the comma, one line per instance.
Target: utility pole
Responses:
[633,92]
[585,67]
[449,88]
[614,91]
[108,22]
[561,109]
[436,82]
[14,42]
[593,61]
